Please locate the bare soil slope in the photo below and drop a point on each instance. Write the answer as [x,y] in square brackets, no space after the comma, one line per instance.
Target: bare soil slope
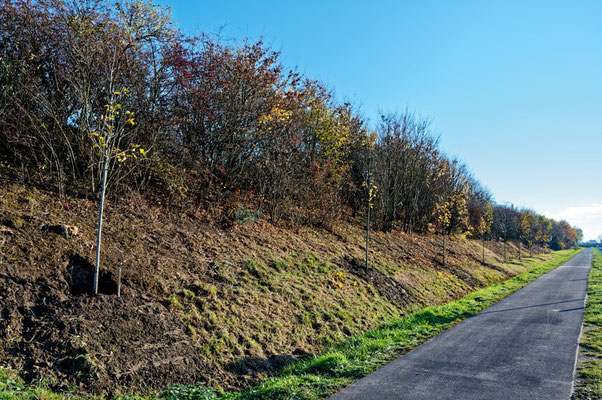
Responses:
[225,306]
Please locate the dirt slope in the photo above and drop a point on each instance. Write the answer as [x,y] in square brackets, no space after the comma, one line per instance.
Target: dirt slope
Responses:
[200,302]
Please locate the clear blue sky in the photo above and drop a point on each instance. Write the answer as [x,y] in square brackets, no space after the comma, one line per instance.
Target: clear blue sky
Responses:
[513,87]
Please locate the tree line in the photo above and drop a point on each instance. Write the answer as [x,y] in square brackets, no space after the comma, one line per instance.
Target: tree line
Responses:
[89,84]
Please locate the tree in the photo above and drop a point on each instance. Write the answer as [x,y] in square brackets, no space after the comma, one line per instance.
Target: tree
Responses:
[485,223]
[370,194]
[504,227]
[444,216]
[579,234]
[543,231]
[528,228]
[58,59]
[225,123]
[112,132]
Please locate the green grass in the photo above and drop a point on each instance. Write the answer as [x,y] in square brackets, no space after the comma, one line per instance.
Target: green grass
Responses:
[339,365]
[12,388]
[589,372]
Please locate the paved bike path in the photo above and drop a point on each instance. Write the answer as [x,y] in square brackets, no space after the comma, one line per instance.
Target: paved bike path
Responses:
[523,347]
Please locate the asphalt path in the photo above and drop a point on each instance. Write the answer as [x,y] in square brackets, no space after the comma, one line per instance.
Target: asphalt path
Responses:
[523,347]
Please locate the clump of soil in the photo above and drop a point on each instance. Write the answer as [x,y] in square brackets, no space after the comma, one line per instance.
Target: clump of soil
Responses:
[98,343]
[388,287]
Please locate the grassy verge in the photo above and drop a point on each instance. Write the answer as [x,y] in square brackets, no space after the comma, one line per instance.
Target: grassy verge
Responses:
[589,371]
[338,366]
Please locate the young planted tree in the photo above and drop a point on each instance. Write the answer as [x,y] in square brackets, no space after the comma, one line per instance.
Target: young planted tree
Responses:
[121,48]
[504,227]
[543,231]
[370,195]
[485,224]
[444,217]
[113,130]
[528,229]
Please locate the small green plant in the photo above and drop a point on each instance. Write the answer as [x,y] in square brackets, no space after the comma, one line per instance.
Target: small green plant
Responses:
[243,215]
[188,294]
[204,289]
[174,303]
[189,392]
[191,330]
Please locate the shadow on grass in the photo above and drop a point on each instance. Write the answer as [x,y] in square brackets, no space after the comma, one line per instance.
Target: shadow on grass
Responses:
[270,365]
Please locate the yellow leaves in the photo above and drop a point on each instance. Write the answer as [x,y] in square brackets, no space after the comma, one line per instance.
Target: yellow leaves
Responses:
[331,132]
[452,210]
[130,118]
[445,275]
[121,91]
[371,193]
[337,280]
[113,131]
[486,219]
[276,116]
[372,138]
[134,152]
[121,157]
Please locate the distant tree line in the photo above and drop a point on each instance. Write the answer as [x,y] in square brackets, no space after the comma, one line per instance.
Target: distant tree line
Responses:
[221,123]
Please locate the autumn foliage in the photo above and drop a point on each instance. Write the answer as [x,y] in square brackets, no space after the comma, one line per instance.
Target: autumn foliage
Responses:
[224,125]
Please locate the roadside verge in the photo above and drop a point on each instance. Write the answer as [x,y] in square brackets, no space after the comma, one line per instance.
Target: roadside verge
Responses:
[321,376]
[588,383]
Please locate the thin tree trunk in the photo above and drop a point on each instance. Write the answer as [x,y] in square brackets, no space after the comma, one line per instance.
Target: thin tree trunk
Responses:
[367,236]
[119,282]
[483,240]
[100,213]
[444,248]
[369,182]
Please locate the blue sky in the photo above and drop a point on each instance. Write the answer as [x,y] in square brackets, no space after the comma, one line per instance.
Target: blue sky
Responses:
[514,88]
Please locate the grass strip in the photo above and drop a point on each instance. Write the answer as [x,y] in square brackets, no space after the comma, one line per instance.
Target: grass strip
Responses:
[338,366]
[589,372]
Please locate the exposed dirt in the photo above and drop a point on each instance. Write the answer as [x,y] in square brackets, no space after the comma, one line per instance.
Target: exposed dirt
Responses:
[200,302]
[388,287]
[97,343]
